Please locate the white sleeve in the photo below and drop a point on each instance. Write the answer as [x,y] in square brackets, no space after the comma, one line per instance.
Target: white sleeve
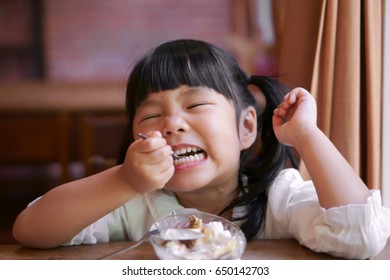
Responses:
[356,231]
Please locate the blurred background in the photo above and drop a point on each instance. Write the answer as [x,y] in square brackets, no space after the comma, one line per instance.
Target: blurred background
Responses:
[63,68]
[96,40]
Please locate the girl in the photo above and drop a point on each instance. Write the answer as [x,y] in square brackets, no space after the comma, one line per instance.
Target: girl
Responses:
[192,98]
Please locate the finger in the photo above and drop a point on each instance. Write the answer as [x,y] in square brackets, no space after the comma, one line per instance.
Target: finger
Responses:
[156,157]
[154,170]
[285,105]
[277,120]
[151,144]
[162,173]
[155,133]
[298,93]
[288,100]
[292,98]
[167,165]
[280,111]
[150,134]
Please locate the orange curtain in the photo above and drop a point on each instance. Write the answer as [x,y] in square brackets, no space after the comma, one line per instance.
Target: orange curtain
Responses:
[334,49]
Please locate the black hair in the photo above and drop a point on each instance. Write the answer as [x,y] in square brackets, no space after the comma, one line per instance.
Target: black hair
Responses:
[196,63]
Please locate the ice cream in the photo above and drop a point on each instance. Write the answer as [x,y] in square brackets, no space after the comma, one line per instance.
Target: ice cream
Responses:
[216,243]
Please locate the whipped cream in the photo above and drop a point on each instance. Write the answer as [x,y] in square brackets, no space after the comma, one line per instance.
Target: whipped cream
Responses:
[217,242]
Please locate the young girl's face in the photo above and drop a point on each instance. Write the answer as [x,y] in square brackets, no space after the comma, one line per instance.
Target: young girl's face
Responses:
[200,121]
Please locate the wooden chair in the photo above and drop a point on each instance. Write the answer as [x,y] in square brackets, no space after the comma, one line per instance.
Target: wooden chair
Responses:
[35,139]
[100,137]
[30,145]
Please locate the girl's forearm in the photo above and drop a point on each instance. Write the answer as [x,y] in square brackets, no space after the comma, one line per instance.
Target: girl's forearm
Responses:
[66,210]
[335,180]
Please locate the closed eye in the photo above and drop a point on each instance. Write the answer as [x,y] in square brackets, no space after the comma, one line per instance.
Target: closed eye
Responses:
[198,104]
[150,116]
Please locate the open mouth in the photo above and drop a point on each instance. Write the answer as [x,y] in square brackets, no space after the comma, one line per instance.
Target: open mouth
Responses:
[189,154]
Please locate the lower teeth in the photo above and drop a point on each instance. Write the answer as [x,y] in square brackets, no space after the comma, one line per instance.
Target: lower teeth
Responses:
[188,159]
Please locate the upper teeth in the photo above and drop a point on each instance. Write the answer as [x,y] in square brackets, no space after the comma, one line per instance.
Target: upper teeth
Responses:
[187,150]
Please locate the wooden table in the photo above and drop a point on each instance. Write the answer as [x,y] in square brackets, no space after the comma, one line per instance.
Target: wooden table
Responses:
[260,249]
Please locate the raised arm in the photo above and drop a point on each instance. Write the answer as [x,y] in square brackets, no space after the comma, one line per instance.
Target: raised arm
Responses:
[64,211]
[335,180]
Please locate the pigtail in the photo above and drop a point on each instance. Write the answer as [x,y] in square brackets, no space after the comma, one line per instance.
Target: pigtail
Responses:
[273,91]
[261,164]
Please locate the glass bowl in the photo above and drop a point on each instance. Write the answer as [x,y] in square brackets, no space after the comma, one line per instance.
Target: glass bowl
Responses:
[227,243]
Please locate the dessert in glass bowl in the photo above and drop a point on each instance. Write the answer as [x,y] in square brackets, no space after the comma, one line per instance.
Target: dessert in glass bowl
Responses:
[222,239]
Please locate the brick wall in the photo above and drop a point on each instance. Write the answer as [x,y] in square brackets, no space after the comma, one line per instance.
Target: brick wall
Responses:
[15,37]
[14,19]
[97,40]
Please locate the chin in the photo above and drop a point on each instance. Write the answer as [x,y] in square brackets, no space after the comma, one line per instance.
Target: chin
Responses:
[182,189]
[184,186]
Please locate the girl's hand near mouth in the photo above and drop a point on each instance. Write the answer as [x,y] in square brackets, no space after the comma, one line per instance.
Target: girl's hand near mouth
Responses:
[148,165]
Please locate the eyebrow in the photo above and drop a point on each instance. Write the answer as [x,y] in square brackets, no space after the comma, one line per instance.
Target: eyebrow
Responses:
[186,93]
[149,102]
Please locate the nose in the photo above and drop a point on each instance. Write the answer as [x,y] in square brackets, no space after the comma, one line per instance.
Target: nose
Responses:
[173,125]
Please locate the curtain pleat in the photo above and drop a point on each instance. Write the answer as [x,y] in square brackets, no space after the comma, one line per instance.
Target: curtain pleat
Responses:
[345,117]
[298,41]
[333,48]
[372,18]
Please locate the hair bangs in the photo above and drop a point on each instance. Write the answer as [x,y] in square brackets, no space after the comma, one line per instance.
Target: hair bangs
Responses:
[187,62]
[172,65]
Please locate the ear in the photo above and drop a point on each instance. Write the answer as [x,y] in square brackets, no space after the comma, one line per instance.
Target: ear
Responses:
[248,127]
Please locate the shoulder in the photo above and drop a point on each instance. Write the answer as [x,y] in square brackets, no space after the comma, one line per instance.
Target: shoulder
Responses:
[290,173]
[288,196]
[289,185]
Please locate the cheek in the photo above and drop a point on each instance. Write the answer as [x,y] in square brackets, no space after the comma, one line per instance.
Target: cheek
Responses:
[227,157]
[145,127]
[228,147]
[225,143]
